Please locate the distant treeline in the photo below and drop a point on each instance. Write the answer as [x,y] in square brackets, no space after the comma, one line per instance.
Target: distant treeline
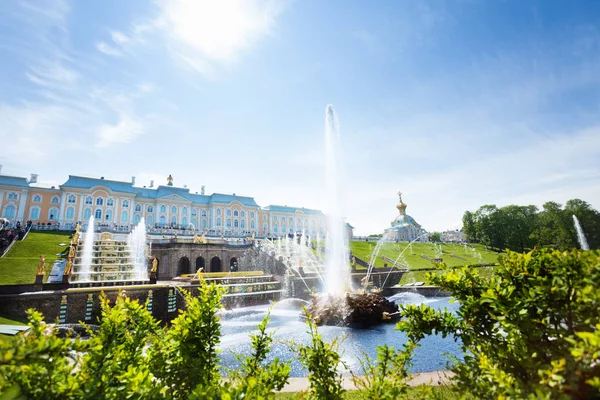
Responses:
[523,227]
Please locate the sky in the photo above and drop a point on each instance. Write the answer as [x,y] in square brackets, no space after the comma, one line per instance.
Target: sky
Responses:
[455,103]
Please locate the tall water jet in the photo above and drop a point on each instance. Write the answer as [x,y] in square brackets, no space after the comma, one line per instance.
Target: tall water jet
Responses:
[580,234]
[88,250]
[137,246]
[337,268]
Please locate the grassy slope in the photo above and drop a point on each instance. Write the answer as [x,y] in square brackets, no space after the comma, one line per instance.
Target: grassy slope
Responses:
[21,262]
[414,392]
[411,255]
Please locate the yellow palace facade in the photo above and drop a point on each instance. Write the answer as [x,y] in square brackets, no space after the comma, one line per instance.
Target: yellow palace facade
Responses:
[119,205]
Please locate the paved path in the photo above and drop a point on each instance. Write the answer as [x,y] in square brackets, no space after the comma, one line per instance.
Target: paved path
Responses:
[424,378]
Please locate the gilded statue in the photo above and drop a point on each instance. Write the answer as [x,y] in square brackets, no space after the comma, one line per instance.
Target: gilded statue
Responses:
[154,265]
[40,269]
[68,267]
[170,180]
[77,227]
[72,252]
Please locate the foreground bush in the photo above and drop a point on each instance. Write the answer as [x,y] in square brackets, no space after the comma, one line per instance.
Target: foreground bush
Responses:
[531,331]
[131,357]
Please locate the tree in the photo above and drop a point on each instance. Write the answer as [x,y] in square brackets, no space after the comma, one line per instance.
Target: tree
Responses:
[530,331]
[490,226]
[435,237]
[589,219]
[519,223]
[469,227]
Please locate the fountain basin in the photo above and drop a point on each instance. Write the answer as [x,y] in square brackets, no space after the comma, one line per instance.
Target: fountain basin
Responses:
[359,310]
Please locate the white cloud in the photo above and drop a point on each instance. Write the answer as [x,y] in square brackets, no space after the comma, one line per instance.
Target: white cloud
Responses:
[107,49]
[127,128]
[53,75]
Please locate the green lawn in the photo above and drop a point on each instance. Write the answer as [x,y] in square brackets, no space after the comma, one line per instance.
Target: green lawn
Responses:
[6,321]
[20,264]
[411,255]
[414,392]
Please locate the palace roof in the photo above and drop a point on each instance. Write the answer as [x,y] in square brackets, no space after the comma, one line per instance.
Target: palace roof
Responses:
[13,181]
[292,210]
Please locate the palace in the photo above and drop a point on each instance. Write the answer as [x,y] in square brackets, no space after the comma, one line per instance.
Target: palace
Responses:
[119,205]
[404,228]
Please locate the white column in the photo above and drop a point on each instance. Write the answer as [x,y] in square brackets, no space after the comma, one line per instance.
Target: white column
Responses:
[156,213]
[80,213]
[61,212]
[2,194]
[131,212]
[22,202]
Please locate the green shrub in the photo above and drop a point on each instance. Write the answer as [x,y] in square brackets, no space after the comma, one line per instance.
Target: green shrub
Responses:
[530,331]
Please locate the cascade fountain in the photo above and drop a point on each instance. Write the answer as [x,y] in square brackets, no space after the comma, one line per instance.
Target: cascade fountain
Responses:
[580,234]
[88,249]
[137,245]
[339,304]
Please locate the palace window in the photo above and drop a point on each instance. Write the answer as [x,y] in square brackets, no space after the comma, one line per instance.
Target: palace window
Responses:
[275,218]
[125,203]
[291,228]
[37,199]
[229,222]
[55,200]
[194,211]
[98,214]
[242,213]
[53,214]
[89,200]
[243,224]
[218,211]
[110,202]
[252,225]
[184,210]
[264,217]
[173,220]
[219,221]
[163,220]
[70,213]
[252,215]
[265,227]
[125,216]
[203,223]
[228,212]
[9,212]
[275,227]
[12,196]
[108,215]
[149,220]
[136,219]
[99,201]
[235,213]
[34,213]
[184,222]
[173,210]
[203,213]
[87,213]
[150,209]
[138,208]
[71,199]
[235,223]
[163,208]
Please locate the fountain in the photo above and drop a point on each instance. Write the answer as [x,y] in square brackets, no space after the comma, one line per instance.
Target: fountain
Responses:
[580,234]
[109,260]
[88,248]
[339,304]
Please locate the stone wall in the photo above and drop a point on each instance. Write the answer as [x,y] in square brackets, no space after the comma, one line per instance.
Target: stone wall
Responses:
[175,258]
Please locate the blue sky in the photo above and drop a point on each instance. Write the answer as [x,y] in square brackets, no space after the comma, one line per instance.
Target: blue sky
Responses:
[456,103]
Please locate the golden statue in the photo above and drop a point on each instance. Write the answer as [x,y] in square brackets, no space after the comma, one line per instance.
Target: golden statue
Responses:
[196,238]
[154,265]
[75,239]
[72,252]
[170,180]
[68,267]
[90,297]
[77,227]
[41,270]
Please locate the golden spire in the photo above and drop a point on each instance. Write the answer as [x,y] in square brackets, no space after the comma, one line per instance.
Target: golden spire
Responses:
[401,206]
